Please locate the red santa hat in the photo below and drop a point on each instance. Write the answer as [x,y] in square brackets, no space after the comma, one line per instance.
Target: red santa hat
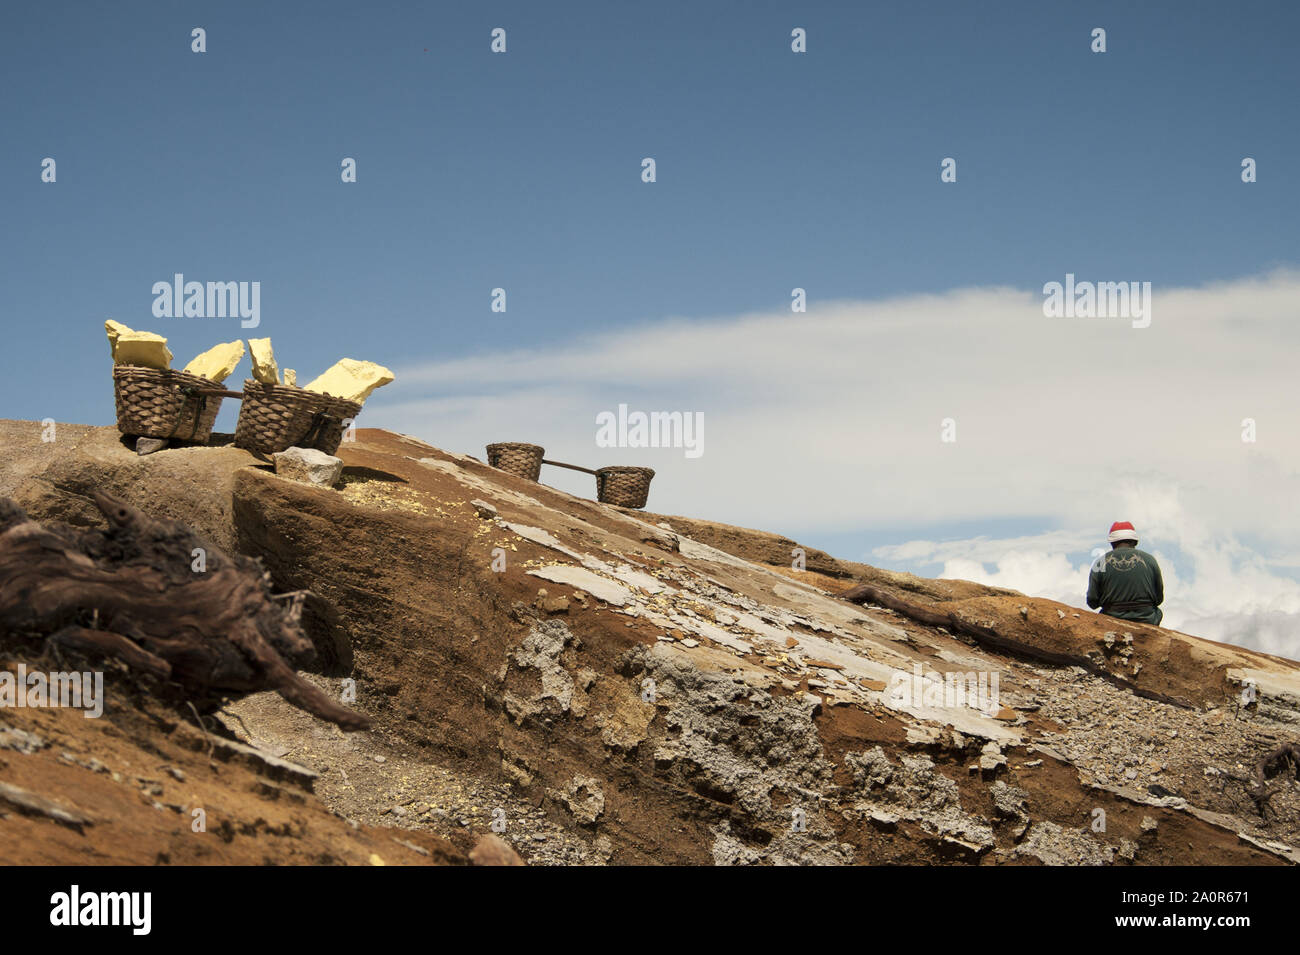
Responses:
[1122,531]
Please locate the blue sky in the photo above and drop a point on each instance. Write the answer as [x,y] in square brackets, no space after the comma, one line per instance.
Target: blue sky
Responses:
[522,170]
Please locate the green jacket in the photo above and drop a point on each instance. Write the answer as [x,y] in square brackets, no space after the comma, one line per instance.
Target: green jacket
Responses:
[1126,583]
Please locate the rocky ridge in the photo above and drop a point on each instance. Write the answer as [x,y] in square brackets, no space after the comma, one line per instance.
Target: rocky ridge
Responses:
[605,686]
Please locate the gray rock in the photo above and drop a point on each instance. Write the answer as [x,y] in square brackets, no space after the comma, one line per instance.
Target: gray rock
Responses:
[1011,802]
[602,588]
[916,790]
[665,539]
[149,445]
[885,820]
[35,804]
[21,740]
[583,798]
[989,765]
[309,466]
[1053,845]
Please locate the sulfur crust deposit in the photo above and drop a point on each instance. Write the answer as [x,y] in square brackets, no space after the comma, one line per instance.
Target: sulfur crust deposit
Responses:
[217,362]
[351,379]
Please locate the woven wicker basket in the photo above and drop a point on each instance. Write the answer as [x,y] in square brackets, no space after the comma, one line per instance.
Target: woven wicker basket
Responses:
[327,426]
[164,404]
[623,486]
[275,417]
[524,460]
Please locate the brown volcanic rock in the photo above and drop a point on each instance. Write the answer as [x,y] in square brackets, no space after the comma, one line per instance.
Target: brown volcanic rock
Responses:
[494,851]
[54,480]
[146,782]
[1153,661]
[759,547]
[704,701]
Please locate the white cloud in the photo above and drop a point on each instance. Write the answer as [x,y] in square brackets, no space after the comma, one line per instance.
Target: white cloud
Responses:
[830,421]
[1216,586]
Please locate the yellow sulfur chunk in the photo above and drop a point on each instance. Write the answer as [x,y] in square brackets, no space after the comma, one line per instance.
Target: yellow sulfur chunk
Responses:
[144,349]
[351,379]
[290,377]
[265,369]
[217,362]
[113,330]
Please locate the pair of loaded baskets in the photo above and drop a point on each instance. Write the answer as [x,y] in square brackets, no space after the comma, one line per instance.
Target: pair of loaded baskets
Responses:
[618,485]
[177,406]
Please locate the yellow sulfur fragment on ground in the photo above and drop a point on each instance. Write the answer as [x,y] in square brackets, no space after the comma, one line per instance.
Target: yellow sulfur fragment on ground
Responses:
[217,362]
[144,349]
[351,379]
[290,377]
[265,369]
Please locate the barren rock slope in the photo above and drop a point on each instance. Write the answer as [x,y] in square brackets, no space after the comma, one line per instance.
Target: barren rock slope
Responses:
[668,700]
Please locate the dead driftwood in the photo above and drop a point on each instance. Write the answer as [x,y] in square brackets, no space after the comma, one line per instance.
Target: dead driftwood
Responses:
[161,599]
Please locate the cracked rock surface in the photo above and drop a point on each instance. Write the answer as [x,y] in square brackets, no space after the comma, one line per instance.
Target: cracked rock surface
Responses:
[599,686]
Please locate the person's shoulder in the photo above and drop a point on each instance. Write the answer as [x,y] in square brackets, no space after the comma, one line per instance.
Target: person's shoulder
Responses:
[1145,554]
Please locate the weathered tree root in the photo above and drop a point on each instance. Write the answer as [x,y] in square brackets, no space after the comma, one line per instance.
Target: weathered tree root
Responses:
[1284,759]
[110,644]
[161,599]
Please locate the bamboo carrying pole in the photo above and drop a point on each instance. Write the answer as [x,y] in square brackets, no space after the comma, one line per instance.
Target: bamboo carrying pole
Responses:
[571,467]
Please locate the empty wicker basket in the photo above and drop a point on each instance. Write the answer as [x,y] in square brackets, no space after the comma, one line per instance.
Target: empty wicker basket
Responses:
[165,404]
[524,460]
[623,486]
